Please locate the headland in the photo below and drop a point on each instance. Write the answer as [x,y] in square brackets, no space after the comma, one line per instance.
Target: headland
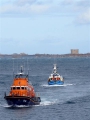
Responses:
[15,55]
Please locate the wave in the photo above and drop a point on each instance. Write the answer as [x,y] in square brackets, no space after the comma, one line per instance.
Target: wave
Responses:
[43,103]
[5,106]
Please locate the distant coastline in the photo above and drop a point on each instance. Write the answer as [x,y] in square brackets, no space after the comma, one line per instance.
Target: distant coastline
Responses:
[15,55]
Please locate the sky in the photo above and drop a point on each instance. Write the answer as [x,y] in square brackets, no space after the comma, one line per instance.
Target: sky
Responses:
[44,26]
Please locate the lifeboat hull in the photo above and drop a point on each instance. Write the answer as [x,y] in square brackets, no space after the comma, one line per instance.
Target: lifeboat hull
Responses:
[22,100]
[55,82]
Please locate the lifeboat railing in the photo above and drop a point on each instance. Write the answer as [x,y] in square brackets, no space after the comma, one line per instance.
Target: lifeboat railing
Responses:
[21,74]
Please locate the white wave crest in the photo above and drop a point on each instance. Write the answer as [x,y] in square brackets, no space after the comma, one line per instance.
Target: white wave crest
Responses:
[16,106]
[48,102]
[46,85]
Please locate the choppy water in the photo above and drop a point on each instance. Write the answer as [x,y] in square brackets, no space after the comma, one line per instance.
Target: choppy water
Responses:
[70,101]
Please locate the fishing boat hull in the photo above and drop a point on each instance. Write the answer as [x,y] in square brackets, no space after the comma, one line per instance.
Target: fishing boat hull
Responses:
[55,82]
[21,100]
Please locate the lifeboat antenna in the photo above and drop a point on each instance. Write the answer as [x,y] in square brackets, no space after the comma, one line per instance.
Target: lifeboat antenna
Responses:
[27,69]
[13,67]
[55,69]
[21,69]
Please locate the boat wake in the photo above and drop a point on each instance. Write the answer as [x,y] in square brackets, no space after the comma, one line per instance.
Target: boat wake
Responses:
[48,102]
[43,103]
[17,106]
[46,85]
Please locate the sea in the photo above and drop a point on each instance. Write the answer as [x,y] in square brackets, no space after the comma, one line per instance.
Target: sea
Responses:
[70,101]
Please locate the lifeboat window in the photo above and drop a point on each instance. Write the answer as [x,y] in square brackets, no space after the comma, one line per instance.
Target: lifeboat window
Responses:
[22,88]
[21,76]
[13,88]
[18,88]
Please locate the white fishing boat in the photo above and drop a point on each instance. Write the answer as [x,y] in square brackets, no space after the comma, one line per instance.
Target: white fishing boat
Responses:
[55,78]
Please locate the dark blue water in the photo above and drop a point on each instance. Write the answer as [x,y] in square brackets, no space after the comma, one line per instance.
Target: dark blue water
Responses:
[70,101]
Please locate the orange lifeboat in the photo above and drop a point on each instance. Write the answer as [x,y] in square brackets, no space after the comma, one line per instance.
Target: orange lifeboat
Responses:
[22,93]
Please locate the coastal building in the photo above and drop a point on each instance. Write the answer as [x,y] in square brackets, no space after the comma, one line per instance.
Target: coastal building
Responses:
[74,51]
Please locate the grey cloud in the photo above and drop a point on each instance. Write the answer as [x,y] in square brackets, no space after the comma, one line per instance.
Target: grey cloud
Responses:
[24,2]
[84,18]
[83,6]
[30,2]
[67,2]
[84,3]
[44,2]
[24,7]
[74,3]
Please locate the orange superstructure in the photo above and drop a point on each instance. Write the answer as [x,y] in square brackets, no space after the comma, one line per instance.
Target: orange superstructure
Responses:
[20,87]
